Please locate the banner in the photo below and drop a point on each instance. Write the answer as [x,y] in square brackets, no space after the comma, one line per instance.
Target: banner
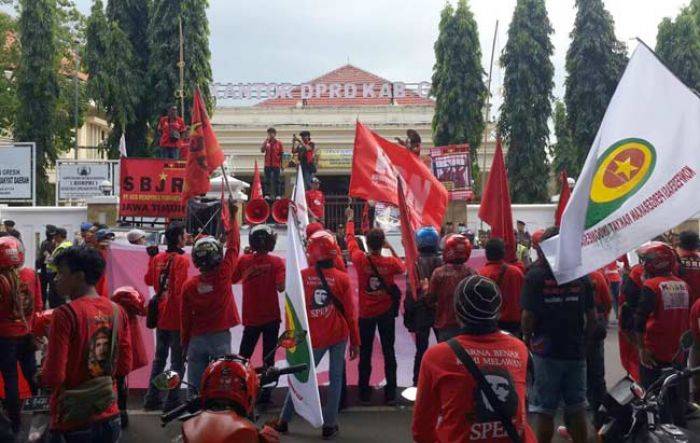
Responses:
[299,199]
[376,162]
[451,165]
[334,158]
[640,177]
[17,180]
[80,180]
[303,386]
[151,187]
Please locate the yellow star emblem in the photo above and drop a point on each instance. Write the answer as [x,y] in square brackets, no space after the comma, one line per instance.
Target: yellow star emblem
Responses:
[163,176]
[625,168]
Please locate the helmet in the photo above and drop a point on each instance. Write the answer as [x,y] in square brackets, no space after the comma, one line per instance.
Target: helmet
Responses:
[230,380]
[322,246]
[11,252]
[427,237]
[207,253]
[313,228]
[262,238]
[130,299]
[659,258]
[457,248]
[537,237]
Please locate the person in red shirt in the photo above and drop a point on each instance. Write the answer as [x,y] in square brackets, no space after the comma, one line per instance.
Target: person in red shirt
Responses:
[262,275]
[305,151]
[171,128]
[170,267]
[332,319]
[20,301]
[375,273]
[509,279]
[338,261]
[629,299]
[315,200]
[84,350]
[273,150]
[450,406]
[208,308]
[595,351]
[688,245]
[614,279]
[662,314]
[444,281]
[412,141]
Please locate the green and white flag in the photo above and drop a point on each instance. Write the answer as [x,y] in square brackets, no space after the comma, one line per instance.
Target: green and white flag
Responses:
[303,386]
[640,176]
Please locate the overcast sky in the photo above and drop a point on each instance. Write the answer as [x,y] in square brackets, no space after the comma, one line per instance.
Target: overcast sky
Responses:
[295,41]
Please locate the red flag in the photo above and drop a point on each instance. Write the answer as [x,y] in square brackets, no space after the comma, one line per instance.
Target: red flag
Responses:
[365,218]
[410,222]
[205,153]
[376,162]
[495,203]
[564,196]
[256,189]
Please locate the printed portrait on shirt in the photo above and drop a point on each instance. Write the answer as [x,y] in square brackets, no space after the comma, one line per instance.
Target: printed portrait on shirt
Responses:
[320,298]
[98,352]
[501,382]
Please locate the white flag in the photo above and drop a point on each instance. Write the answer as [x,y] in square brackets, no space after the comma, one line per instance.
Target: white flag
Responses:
[122,144]
[303,386]
[640,177]
[299,197]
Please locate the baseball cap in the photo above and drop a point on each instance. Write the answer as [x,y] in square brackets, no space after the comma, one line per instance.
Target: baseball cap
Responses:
[85,226]
[104,234]
[135,235]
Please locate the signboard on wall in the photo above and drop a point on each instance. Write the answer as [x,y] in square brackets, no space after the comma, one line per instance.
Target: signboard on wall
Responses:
[17,178]
[150,187]
[332,158]
[451,165]
[81,179]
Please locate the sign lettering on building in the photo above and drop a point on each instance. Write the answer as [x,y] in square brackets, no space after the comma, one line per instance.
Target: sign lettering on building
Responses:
[305,91]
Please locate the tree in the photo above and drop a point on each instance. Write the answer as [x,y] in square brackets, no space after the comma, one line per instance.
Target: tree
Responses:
[37,86]
[594,63]
[678,45]
[526,107]
[132,18]
[563,152]
[165,53]
[9,59]
[458,80]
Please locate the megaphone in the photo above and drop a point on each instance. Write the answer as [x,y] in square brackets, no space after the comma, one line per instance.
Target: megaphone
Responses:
[257,211]
[280,210]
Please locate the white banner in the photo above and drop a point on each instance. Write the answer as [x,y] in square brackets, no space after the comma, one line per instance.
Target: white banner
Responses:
[80,180]
[640,177]
[17,172]
[299,198]
[303,386]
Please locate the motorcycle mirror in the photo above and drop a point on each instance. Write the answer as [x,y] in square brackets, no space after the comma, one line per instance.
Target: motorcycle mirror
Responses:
[687,340]
[290,338]
[410,394]
[167,380]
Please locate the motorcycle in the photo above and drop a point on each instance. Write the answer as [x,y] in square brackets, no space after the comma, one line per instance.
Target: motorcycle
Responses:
[204,420]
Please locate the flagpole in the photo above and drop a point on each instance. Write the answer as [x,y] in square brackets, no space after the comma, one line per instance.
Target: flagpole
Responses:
[181,65]
[488,113]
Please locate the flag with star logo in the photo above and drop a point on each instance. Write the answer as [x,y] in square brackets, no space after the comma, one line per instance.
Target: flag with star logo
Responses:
[640,176]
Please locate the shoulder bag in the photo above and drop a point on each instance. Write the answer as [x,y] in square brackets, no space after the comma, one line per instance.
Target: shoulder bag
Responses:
[152,313]
[393,290]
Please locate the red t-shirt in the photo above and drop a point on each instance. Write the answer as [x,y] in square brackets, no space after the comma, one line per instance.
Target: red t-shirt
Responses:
[207,299]
[260,273]
[601,294]
[690,272]
[164,126]
[79,345]
[170,303]
[612,273]
[669,320]
[695,320]
[273,154]
[12,323]
[374,301]
[443,283]
[327,324]
[510,280]
[450,407]
[316,202]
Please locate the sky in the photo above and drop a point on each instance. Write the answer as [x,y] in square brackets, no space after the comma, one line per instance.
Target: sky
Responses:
[294,41]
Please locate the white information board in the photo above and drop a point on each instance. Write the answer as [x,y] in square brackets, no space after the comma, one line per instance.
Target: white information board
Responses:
[81,179]
[17,178]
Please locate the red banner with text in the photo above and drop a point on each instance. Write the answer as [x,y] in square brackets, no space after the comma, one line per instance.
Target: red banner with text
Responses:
[151,187]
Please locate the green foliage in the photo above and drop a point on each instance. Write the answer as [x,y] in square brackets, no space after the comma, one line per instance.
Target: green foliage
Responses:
[678,45]
[594,63]
[164,41]
[562,152]
[526,107]
[458,80]
[9,59]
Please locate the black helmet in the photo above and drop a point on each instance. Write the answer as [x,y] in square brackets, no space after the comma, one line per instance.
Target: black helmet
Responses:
[207,253]
[262,238]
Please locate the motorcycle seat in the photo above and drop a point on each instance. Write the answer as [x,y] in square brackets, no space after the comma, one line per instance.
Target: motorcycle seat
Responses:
[219,427]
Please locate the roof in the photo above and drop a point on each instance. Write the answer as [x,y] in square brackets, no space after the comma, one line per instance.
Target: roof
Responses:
[345,75]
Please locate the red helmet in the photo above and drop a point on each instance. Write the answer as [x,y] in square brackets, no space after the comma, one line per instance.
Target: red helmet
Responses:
[322,246]
[130,299]
[11,252]
[658,258]
[537,238]
[313,228]
[230,380]
[457,248]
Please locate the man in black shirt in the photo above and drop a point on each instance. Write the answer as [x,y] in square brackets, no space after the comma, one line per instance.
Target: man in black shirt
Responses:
[556,322]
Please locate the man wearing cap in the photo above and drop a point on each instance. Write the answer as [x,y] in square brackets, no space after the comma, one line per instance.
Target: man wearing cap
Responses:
[450,405]
[136,237]
[81,240]
[45,249]
[315,200]
[60,242]
[8,225]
